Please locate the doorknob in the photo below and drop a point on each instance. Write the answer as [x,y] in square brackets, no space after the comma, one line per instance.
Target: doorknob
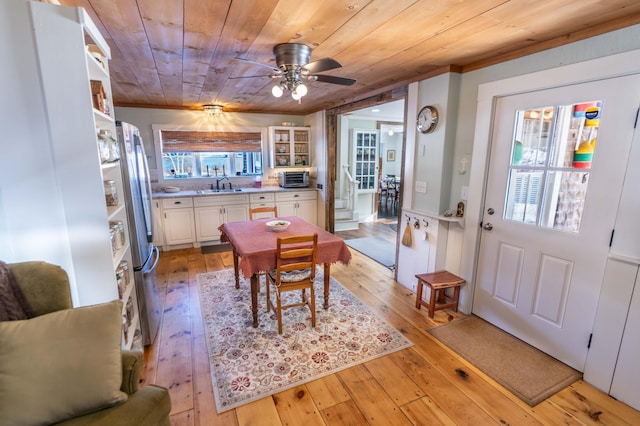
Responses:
[487,227]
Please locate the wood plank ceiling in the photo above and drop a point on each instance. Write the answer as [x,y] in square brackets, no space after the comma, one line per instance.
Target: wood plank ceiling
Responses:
[180,53]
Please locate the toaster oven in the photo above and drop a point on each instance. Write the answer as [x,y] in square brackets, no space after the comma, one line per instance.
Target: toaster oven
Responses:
[294,179]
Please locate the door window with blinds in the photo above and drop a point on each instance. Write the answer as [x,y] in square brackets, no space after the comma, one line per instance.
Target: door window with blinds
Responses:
[552,152]
[207,154]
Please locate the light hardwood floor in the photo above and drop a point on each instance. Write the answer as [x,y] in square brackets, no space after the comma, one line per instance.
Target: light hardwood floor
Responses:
[422,385]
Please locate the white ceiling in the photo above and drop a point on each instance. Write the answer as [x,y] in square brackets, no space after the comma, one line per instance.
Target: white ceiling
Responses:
[392,111]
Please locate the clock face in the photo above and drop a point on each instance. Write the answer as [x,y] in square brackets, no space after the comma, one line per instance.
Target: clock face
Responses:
[427,119]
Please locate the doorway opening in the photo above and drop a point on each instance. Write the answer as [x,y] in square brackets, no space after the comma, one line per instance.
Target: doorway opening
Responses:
[368,189]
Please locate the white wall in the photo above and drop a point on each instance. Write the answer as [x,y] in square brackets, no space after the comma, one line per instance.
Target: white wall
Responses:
[387,143]
[32,217]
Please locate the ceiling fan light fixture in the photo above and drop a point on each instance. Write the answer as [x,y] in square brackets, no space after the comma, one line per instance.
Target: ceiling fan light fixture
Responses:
[301,89]
[212,109]
[277,91]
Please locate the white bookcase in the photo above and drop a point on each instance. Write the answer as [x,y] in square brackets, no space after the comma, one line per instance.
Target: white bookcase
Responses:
[73,57]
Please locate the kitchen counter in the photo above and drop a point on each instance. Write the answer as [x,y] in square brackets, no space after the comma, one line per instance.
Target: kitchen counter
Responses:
[209,192]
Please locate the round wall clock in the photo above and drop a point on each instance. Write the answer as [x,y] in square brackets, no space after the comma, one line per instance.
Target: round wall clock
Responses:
[427,119]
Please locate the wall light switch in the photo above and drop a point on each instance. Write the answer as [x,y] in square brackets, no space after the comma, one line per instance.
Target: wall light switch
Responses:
[464,193]
[421,187]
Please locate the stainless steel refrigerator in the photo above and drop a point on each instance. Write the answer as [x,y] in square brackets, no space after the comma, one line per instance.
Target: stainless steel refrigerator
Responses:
[137,190]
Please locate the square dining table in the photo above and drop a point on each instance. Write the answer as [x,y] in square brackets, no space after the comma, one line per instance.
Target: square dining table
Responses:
[254,250]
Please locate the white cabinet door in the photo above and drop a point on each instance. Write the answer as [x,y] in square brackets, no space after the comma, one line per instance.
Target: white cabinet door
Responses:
[178,226]
[234,213]
[298,203]
[208,219]
[287,208]
[213,211]
[307,210]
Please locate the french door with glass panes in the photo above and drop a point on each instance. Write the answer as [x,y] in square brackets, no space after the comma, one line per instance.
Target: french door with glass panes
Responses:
[557,165]
[365,159]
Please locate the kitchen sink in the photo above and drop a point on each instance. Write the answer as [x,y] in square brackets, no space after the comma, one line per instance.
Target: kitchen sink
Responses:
[217,191]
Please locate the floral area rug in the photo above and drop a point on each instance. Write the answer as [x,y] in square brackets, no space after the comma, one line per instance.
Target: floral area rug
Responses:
[251,363]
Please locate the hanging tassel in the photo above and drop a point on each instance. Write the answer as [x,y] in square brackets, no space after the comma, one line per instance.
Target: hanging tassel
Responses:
[406,236]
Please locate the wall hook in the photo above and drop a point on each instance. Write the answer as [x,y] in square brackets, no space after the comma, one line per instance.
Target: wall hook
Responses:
[426,224]
[408,219]
[416,224]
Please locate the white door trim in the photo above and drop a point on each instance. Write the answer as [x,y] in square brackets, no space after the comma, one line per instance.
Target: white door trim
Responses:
[627,63]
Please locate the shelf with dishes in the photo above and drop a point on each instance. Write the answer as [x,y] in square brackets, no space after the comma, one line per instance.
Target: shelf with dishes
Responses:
[290,146]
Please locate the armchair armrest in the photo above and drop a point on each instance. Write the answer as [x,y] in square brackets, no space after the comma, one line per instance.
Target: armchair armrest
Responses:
[132,363]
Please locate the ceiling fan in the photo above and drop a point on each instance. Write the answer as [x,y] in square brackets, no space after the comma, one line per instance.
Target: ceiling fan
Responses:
[292,60]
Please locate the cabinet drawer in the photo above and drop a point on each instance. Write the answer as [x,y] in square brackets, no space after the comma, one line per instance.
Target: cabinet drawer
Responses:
[221,200]
[262,197]
[176,203]
[296,195]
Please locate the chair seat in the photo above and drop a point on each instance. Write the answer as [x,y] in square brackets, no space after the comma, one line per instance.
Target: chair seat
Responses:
[291,276]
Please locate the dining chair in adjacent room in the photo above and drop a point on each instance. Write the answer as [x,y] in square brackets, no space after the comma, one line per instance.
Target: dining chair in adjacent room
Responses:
[268,209]
[295,270]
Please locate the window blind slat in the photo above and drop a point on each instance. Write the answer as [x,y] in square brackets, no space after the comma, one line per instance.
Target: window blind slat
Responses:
[207,141]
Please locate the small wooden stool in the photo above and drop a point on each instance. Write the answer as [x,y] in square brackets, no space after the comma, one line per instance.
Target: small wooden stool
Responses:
[438,282]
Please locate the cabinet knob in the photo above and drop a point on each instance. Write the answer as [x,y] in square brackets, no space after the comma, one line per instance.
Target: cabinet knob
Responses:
[296,196]
[177,202]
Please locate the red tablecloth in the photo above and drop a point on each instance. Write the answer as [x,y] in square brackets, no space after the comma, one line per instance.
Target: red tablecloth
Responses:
[255,243]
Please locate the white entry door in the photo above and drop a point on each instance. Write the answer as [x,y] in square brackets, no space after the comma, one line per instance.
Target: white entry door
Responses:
[555,175]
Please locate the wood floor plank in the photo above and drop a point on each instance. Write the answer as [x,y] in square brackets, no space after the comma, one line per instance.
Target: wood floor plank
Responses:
[344,414]
[370,398]
[592,407]
[327,392]
[398,385]
[186,418]
[456,405]
[424,411]
[260,412]
[295,404]
[174,358]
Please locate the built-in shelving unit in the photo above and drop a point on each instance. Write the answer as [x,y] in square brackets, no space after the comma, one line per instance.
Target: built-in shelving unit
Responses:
[290,146]
[74,71]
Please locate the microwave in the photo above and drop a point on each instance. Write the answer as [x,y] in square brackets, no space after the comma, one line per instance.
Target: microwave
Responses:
[294,179]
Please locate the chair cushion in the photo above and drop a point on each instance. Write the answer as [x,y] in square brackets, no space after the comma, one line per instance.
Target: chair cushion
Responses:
[61,365]
[292,276]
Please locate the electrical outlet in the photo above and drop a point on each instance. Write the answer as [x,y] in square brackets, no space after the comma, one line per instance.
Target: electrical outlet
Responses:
[464,193]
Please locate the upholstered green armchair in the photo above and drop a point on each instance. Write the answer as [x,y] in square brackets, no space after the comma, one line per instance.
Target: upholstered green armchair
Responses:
[78,341]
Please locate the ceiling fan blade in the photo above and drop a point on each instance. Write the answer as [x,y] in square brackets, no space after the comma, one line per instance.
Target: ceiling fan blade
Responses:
[324,64]
[253,76]
[249,61]
[333,79]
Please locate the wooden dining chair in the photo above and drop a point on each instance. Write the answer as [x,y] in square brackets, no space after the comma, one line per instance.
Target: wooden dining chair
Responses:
[268,209]
[256,213]
[295,270]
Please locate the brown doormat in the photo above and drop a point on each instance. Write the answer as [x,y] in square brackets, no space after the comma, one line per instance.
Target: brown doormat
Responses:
[527,372]
[215,248]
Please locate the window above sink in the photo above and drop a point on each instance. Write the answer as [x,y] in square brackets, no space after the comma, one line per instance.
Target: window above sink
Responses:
[208,154]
